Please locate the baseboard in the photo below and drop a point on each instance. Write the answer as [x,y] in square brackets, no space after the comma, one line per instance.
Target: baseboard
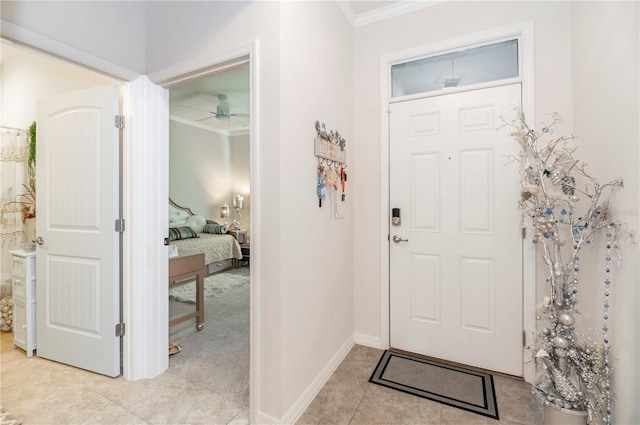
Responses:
[264,419]
[298,408]
[368,341]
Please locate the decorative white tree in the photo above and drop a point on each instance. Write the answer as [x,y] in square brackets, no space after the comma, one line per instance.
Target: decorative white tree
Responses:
[574,371]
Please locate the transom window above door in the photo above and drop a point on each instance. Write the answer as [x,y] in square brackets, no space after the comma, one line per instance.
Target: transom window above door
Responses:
[475,65]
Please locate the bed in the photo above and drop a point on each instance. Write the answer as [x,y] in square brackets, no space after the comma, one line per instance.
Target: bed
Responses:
[191,234]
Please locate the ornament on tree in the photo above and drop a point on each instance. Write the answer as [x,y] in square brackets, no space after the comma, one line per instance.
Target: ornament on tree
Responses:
[575,371]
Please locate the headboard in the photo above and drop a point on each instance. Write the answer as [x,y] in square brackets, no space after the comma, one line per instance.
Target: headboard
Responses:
[182,216]
[178,214]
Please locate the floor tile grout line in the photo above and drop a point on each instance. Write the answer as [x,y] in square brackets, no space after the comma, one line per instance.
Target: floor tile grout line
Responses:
[360,402]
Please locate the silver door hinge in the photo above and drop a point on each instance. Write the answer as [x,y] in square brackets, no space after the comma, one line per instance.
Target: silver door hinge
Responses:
[119,329]
[120,225]
[119,121]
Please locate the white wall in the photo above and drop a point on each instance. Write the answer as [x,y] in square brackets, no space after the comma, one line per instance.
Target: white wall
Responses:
[606,111]
[317,292]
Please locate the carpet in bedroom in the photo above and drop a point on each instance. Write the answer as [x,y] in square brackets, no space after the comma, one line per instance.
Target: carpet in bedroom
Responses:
[217,357]
[214,286]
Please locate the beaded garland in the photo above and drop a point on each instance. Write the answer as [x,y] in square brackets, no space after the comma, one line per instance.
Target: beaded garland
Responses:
[575,371]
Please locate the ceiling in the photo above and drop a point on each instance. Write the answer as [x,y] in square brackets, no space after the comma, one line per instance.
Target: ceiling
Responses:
[196,103]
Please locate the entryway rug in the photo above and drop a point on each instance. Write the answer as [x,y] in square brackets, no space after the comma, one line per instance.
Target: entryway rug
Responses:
[451,385]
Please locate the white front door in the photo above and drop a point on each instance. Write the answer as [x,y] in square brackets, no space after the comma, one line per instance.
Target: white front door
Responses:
[78,260]
[456,283]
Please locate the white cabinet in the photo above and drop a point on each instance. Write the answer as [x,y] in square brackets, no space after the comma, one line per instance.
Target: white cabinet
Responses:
[24,300]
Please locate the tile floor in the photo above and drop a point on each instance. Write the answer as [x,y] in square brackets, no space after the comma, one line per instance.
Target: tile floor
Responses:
[43,392]
[349,399]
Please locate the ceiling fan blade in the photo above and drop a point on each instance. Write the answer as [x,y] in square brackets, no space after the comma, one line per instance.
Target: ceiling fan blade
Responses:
[197,109]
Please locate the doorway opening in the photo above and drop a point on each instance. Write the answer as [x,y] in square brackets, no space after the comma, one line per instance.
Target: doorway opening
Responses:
[210,187]
[243,187]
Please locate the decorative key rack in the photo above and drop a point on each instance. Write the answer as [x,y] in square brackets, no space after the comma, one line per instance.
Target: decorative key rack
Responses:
[329,148]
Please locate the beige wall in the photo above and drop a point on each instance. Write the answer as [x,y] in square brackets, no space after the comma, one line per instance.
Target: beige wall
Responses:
[199,169]
[240,177]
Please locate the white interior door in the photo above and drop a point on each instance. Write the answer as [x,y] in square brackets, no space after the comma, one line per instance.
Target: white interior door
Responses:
[456,283]
[78,261]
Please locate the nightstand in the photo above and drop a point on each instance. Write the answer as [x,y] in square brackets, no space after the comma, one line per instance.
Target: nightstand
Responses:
[246,252]
[240,235]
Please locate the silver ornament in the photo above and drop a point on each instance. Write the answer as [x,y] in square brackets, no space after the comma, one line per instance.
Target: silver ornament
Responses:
[561,342]
[566,319]
[560,352]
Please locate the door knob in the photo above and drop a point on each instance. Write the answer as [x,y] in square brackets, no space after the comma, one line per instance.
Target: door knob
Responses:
[39,240]
[398,239]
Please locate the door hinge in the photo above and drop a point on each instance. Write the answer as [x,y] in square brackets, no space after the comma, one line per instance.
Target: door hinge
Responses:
[119,121]
[524,338]
[524,233]
[120,225]
[119,329]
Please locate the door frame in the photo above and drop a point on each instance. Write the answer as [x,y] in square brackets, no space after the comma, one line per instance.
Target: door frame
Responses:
[211,64]
[524,32]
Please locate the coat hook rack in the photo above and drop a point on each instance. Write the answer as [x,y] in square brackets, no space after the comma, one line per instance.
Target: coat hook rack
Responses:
[330,145]
[331,173]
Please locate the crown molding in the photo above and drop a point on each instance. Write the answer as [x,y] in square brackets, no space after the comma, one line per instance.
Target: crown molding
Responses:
[348,11]
[387,12]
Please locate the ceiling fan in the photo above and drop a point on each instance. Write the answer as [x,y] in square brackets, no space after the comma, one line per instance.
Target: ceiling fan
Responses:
[222,111]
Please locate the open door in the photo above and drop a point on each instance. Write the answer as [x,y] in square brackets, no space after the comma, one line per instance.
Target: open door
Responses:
[78,251]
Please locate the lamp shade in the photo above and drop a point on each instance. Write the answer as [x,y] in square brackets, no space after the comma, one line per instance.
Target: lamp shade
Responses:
[224,210]
[238,201]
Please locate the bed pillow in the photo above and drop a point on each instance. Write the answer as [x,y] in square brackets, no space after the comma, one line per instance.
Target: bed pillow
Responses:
[196,222]
[177,217]
[179,233]
[215,228]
